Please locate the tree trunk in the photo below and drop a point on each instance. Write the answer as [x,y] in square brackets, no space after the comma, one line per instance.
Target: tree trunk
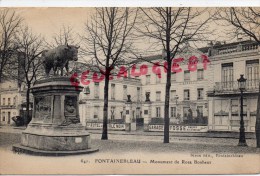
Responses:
[27,116]
[168,77]
[0,76]
[257,124]
[1,73]
[166,104]
[105,109]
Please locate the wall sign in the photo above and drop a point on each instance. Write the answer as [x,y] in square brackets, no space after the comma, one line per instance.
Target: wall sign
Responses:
[116,126]
[179,128]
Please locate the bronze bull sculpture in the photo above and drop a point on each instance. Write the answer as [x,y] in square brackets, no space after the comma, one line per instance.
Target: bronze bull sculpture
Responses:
[59,57]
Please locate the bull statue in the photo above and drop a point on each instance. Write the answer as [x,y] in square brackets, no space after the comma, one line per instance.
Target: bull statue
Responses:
[59,57]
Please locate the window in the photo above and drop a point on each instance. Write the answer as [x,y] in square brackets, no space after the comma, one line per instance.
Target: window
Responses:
[14,101]
[9,101]
[96,90]
[200,74]
[148,79]
[158,111]
[186,75]
[9,118]
[113,110]
[173,112]
[124,112]
[145,96]
[138,93]
[3,101]
[125,92]
[252,73]
[158,96]
[186,94]
[227,75]
[185,113]
[173,95]
[3,116]
[173,76]
[158,80]
[138,111]
[113,86]
[200,94]
[200,111]
[96,112]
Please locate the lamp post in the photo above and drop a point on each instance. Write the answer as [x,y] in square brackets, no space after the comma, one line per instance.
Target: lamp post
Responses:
[242,87]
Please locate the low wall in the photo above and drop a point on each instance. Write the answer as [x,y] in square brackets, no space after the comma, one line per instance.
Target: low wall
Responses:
[178,128]
[111,126]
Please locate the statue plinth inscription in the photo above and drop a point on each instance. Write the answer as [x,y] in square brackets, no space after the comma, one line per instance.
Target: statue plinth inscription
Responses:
[55,128]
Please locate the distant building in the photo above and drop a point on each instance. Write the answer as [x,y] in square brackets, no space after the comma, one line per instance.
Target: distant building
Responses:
[12,101]
[13,93]
[188,98]
[228,61]
[205,97]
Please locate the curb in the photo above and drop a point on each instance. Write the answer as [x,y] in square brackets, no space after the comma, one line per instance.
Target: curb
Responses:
[207,135]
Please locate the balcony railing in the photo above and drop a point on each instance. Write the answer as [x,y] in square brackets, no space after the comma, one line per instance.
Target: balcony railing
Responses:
[236,48]
[251,85]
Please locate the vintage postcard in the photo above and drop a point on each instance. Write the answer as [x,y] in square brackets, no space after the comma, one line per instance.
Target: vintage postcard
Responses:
[129,90]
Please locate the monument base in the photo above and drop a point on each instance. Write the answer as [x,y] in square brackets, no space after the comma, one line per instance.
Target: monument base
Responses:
[22,149]
[54,140]
[55,128]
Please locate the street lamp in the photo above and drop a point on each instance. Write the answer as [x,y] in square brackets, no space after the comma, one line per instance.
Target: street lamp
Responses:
[242,87]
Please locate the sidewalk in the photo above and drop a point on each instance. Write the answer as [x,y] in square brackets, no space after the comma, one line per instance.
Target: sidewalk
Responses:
[17,130]
[211,134]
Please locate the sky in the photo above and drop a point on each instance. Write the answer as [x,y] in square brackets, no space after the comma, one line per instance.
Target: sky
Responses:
[47,21]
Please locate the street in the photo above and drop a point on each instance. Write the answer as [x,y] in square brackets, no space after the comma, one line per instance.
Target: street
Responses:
[122,142]
[147,149]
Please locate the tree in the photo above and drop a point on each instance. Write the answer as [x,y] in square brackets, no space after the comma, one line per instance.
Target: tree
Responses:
[172,28]
[29,49]
[245,21]
[65,36]
[9,24]
[108,43]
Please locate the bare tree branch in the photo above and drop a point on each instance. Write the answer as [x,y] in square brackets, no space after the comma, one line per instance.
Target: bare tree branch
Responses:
[9,23]
[109,44]
[27,68]
[173,28]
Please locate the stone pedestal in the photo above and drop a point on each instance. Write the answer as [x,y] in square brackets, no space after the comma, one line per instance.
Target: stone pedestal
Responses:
[130,125]
[147,115]
[55,128]
[128,115]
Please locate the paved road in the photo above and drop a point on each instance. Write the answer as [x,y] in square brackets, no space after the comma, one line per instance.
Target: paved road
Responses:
[122,143]
[141,147]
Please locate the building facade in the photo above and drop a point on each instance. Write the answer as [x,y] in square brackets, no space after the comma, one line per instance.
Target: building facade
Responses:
[188,100]
[228,62]
[92,101]
[12,101]
[204,96]
[13,91]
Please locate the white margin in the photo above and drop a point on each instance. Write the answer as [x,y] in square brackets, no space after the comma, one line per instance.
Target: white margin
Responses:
[130,3]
